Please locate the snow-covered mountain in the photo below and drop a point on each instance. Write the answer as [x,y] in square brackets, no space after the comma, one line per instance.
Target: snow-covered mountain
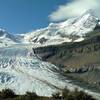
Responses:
[5,38]
[70,30]
[8,39]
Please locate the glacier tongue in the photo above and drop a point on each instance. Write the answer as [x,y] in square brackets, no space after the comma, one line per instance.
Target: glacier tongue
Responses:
[24,73]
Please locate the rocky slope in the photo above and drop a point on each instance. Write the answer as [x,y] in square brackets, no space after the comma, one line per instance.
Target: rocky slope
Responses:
[67,53]
[80,61]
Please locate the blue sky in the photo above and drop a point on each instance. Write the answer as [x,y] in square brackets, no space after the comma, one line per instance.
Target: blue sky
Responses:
[19,16]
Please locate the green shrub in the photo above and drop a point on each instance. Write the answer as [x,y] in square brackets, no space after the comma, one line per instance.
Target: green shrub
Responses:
[7,93]
[75,95]
[56,95]
[30,96]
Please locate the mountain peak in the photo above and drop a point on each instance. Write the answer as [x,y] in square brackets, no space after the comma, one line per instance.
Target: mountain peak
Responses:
[90,13]
[86,23]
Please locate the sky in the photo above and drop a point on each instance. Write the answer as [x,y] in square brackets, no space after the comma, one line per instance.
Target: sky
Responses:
[22,16]
[75,8]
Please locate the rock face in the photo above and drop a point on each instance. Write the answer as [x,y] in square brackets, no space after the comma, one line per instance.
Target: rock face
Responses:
[69,54]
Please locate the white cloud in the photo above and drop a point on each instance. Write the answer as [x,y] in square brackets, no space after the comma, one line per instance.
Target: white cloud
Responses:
[75,8]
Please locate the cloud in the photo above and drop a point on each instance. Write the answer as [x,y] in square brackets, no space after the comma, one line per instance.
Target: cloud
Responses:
[75,8]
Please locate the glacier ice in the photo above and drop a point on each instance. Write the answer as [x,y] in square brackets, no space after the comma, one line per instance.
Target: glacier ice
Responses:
[22,72]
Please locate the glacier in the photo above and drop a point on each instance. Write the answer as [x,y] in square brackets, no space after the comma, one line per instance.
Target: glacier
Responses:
[22,71]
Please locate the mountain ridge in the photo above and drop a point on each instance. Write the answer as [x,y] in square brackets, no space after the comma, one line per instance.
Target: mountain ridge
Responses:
[71,30]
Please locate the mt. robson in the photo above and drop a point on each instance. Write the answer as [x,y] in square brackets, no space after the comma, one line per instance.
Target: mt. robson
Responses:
[71,30]
[22,70]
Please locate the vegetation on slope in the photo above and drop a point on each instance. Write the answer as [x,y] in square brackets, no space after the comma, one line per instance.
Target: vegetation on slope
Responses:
[66,95]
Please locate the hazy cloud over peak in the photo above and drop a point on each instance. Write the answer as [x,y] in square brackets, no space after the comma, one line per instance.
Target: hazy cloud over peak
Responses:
[75,8]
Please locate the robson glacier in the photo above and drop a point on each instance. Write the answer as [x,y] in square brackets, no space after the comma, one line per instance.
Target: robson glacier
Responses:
[21,70]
